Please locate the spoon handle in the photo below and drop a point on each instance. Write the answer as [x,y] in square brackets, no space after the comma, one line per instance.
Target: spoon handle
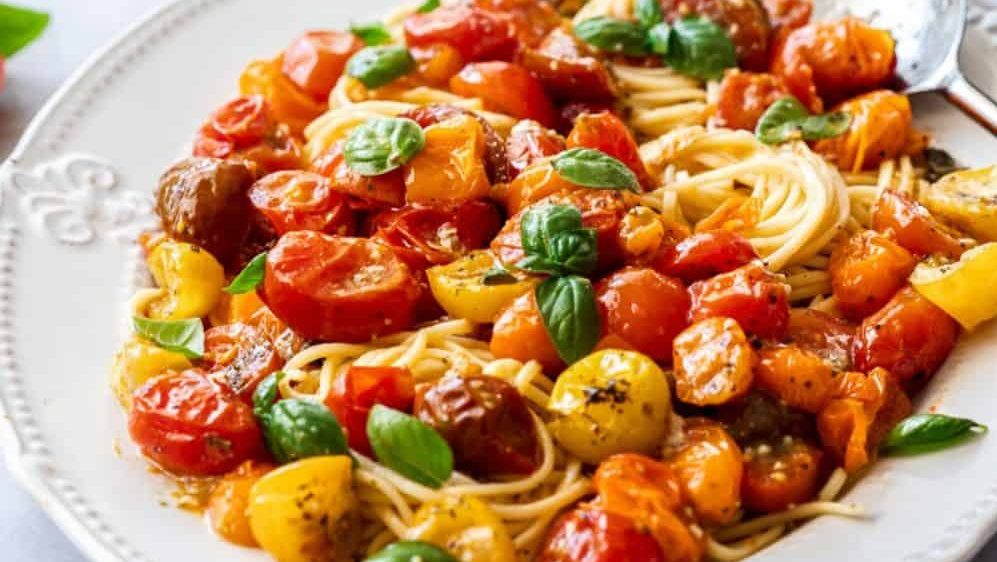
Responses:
[973,102]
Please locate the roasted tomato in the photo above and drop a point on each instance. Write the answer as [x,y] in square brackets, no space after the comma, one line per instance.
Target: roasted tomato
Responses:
[744,20]
[386,190]
[241,122]
[880,130]
[283,338]
[779,475]
[331,288]
[758,300]
[356,391]
[800,378]
[536,182]
[590,534]
[532,20]
[644,308]
[437,63]
[645,235]
[608,133]
[289,104]
[569,69]
[834,60]
[788,14]
[744,96]
[451,166]
[478,34]
[519,333]
[713,362]
[486,422]
[296,200]
[315,60]
[709,465]
[496,162]
[505,88]
[192,426]
[866,271]
[909,337]
[820,333]
[913,227]
[239,356]
[528,142]
[228,504]
[704,255]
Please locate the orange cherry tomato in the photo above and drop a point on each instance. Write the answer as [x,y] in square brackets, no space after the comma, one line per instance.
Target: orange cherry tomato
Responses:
[529,142]
[569,69]
[645,308]
[240,356]
[745,22]
[229,501]
[536,182]
[357,391]
[913,227]
[289,104]
[519,333]
[386,190]
[866,270]
[243,120]
[297,200]
[780,475]
[788,14]
[284,339]
[704,255]
[591,534]
[476,33]
[315,61]
[192,426]
[437,63]
[800,378]
[713,362]
[710,466]
[451,166]
[531,20]
[822,334]
[744,96]
[496,162]
[910,337]
[505,88]
[606,132]
[881,129]
[332,288]
[752,296]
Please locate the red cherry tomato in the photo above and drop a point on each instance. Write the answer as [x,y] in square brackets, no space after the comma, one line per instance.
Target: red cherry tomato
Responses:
[496,163]
[705,254]
[866,270]
[296,200]
[192,426]
[745,22]
[315,61]
[531,20]
[386,190]
[506,88]
[333,288]
[744,96]
[752,296]
[569,69]
[590,534]
[243,120]
[788,14]
[645,308]
[240,356]
[822,334]
[778,477]
[356,392]
[608,133]
[528,142]
[478,34]
[913,227]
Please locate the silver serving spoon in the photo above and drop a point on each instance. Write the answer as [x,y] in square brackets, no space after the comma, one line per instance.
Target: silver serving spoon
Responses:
[928,35]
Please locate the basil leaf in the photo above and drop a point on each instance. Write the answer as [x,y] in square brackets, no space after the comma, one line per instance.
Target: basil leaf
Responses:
[588,167]
[250,277]
[567,306]
[428,6]
[539,224]
[700,48]
[555,241]
[648,13]
[19,27]
[536,263]
[185,337]
[266,393]
[372,34]
[295,429]
[938,164]
[612,35]
[411,551]
[929,432]
[498,276]
[658,37]
[377,66]
[383,144]
[575,250]
[787,119]
[409,447]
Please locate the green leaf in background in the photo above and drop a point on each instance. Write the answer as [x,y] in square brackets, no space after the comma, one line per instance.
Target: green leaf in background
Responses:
[383,144]
[922,433]
[428,6]
[648,13]
[787,120]
[698,47]
[613,36]
[377,66]
[592,168]
[411,551]
[185,337]
[19,27]
[250,277]
[570,315]
[409,447]
[372,34]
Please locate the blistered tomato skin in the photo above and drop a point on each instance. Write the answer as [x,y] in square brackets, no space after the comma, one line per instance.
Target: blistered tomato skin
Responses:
[315,60]
[478,34]
[240,356]
[331,288]
[505,88]
[569,69]
[866,271]
[519,333]
[365,192]
[705,254]
[644,308]
[828,337]
[913,227]
[744,96]
[590,534]
[496,162]
[296,200]
[355,392]
[713,362]
[752,296]
[608,133]
[531,20]
[777,477]
[880,130]
[710,467]
[800,378]
[529,142]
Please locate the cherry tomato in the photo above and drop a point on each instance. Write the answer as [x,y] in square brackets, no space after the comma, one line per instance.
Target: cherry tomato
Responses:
[505,88]
[496,162]
[289,104]
[359,389]
[192,426]
[385,190]
[531,20]
[315,60]
[800,378]
[229,501]
[296,200]
[822,334]
[866,270]
[478,34]
[332,288]
[913,227]
[909,337]
[519,334]
[569,69]
[752,296]
[528,142]
[881,129]
[243,121]
[713,362]
[779,475]
[705,254]
[744,21]
[240,356]
[533,184]
[744,96]
[451,166]
[571,111]
[283,338]
[645,308]
[608,133]
[245,128]
[437,63]
[709,465]
[789,14]
[590,534]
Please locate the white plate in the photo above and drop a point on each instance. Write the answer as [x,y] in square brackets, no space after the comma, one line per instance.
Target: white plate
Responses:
[79,186]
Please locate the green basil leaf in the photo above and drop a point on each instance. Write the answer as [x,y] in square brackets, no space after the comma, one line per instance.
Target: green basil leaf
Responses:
[250,277]
[409,447]
[383,144]
[658,38]
[938,164]
[588,167]
[377,66]
[372,34]
[498,276]
[19,27]
[648,13]
[700,48]
[411,551]
[535,263]
[922,433]
[787,120]
[574,250]
[613,36]
[428,6]
[295,429]
[185,337]
[542,222]
[555,241]
[267,393]
[568,308]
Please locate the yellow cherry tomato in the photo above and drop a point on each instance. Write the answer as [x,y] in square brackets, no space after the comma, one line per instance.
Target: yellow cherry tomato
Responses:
[966,289]
[966,199]
[461,290]
[466,527]
[139,361]
[191,278]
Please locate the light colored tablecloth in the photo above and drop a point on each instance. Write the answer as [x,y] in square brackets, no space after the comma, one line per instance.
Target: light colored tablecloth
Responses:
[78,28]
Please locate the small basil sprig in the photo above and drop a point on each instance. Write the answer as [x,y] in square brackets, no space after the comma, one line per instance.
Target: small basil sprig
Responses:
[19,27]
[648,13]
[613,35]
[185,337]
[498,276]
[372,34]
[250,277]
[428,6]
[383,144]
[411,551]
[376,66]
[409,447]
[694,46]
[568,308]
[555,242]
[267,393]
[922,433]
[588,167]
[787,120]
[295,429]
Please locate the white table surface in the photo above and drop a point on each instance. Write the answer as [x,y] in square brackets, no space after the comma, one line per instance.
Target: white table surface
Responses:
[78,28]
